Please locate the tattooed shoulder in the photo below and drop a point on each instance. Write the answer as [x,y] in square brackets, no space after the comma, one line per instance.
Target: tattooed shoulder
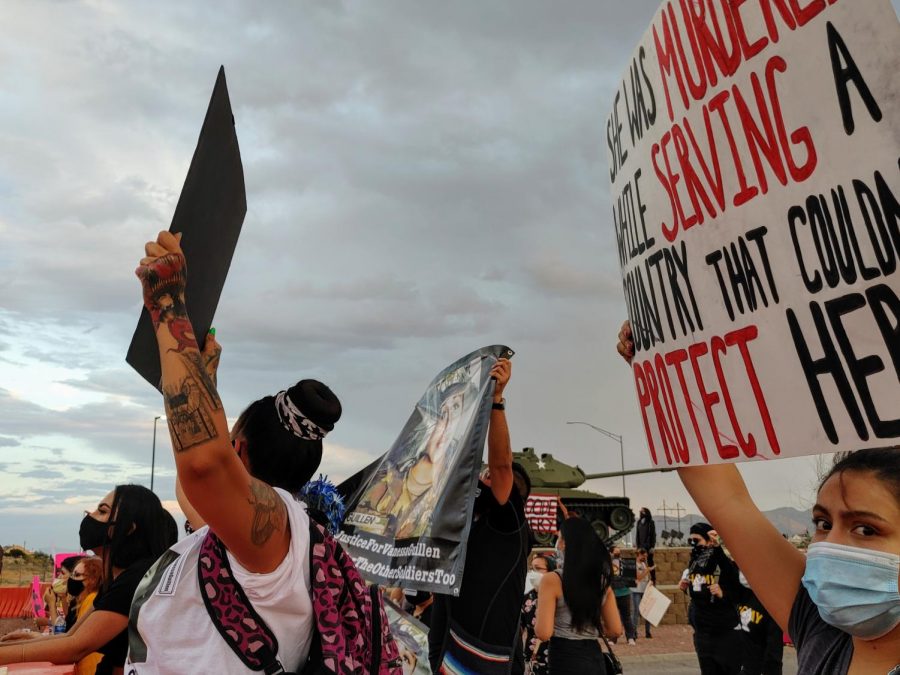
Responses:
[269,512]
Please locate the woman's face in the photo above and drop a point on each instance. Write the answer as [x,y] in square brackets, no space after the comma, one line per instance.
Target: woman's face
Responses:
[539,564]
[104,508]
[78,572]
[856,509]
[408,660]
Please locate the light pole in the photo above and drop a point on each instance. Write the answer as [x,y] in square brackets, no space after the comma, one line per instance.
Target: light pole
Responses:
[153,456]
[615,437]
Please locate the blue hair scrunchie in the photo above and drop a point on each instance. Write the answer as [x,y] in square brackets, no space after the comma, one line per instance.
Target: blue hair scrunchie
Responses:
[321,495]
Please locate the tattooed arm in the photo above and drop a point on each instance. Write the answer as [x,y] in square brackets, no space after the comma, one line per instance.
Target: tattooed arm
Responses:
[246,514]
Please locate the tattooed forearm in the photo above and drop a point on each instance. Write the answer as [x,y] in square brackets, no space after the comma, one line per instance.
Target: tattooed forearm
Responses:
[190,402]
[269,514]
[211,366]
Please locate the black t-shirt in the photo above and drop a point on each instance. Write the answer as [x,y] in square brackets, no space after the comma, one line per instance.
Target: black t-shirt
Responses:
[493,586]
[117,598]
[711,614]
[822,649]
[755,620]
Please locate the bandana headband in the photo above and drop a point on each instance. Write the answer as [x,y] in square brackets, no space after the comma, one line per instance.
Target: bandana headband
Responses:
[295,421]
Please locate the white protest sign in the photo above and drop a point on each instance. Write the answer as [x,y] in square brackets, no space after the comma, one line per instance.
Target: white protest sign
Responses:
[654,605]
[753,151]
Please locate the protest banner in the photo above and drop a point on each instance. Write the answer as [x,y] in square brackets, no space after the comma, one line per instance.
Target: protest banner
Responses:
[753,156]
[411,637]
[409,517]
[540,511]
[653,605]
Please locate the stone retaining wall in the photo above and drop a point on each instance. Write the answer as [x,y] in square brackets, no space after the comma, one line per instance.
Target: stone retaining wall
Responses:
[670,563]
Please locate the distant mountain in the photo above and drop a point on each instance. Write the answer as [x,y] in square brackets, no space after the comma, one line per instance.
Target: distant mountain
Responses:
[786,519]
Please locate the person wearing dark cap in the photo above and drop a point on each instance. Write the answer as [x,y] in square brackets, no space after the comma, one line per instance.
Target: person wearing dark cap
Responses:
[714,587]
[645,538]
[240,482]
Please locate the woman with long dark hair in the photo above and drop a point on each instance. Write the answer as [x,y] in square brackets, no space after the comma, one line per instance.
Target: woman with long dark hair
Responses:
[128,531]
[577,606]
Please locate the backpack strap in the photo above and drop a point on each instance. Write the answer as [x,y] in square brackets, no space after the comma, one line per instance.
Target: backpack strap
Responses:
[353,630]
[375,633]
[231,612]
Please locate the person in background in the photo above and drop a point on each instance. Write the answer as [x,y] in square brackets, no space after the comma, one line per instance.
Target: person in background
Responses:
[646,538]
[56,598]
[576,607]
[419,603]
[486,614]
[535,650]
[763,643]
[128,531]
[622,593]
[839,603]
[642,573]
[713,586]
[83,585]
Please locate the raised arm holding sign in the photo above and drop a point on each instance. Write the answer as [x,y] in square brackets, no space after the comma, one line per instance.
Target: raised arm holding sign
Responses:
[754,164]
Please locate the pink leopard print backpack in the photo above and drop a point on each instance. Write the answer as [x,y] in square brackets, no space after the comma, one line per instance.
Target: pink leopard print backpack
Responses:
[352,631]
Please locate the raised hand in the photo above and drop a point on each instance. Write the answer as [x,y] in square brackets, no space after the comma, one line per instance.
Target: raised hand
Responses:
[163,275]
[625,347]
[501,372]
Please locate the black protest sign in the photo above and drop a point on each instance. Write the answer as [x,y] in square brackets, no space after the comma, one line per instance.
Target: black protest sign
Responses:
[410,512]
[209,215]
[753,151]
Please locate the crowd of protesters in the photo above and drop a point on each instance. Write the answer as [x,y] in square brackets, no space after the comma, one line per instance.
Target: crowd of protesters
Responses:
[262,603]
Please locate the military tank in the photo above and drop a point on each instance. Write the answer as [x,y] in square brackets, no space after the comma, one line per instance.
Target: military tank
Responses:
[611,517]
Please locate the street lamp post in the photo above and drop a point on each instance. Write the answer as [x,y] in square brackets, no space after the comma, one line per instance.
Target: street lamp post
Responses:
[153,456]
[615,437]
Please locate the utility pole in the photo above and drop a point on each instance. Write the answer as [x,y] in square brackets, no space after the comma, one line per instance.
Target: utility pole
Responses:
[664,511]
[678,510]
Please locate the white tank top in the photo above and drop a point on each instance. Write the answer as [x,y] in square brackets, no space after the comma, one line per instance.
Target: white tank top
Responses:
[171,633]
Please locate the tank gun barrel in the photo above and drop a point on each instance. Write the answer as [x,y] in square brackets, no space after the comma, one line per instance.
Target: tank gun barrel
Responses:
[629,472]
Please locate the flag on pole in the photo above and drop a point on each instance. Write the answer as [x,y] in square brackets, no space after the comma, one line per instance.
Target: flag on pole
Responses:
[540,512]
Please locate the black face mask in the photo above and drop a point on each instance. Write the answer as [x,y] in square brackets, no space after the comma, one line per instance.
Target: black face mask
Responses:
[75,587]
[93,534]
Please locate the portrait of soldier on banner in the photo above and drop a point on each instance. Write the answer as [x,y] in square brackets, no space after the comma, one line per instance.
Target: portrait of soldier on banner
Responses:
[405,490]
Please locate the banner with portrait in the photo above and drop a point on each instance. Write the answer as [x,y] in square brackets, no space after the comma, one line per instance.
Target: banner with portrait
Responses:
[409,516]
[411,637]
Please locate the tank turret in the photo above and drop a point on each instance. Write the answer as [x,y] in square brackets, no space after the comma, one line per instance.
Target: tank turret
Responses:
[611,517]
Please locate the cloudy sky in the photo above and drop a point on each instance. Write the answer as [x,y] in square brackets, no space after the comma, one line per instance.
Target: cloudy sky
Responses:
[423,179]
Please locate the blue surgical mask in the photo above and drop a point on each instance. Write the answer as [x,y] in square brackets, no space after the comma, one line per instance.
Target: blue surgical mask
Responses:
[855,589]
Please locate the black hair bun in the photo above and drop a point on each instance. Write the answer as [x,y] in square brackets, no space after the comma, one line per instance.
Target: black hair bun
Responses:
[317,402]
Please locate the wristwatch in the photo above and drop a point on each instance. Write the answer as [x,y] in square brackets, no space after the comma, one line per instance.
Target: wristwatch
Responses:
[499,406]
